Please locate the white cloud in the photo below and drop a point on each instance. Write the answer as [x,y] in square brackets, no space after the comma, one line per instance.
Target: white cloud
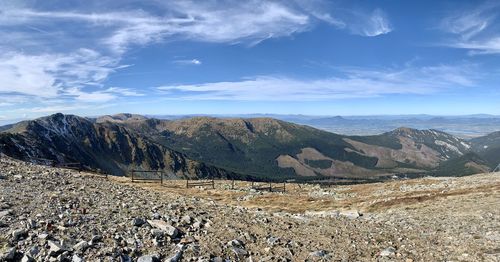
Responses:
[377,24]
[476,30]
[51,53]
[48,75]
[355,83]
[188,62]
[124,91]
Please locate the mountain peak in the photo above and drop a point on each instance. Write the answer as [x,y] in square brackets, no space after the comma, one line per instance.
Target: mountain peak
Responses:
[119,118]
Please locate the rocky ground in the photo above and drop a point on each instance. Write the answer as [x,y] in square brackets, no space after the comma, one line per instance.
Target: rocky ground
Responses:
[51,214]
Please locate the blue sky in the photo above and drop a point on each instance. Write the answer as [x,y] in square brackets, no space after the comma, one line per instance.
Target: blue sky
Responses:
[234,57]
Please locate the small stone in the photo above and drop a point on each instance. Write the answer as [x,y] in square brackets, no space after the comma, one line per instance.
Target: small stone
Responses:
[54,248]
[350,214]
[43,236]
[149,258]
[186,220]
[175,258]
[187,240]
[272,241]
[319,253]
[137,222]
[27,258]
[19,233]
[235,243]
[34,251]
[81,246]
[95,239]
[5,213]
[239,251]
[388,252]
[162,225]
[157,233]
[76,258]
[10,254]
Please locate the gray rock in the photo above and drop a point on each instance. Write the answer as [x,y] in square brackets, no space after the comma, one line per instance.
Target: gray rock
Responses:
[235,243]
[34,250]
[175,258]
[186,220]
[54,248]
[27,258]
[350,214]
[81,246]
[95,239]
[5,213]
[19,233]
[76,258]
[137,222]
[149,258]
[239,251]
[319,253]
[157,233]
[165,227]
[125,258]
[273,241]
[388,252]
[9,255]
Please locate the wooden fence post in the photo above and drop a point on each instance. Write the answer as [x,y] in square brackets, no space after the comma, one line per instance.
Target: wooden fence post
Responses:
[161,177]
[270,187]
[132,176]
[213,184]
[284,187]
[187,183]
[232,185]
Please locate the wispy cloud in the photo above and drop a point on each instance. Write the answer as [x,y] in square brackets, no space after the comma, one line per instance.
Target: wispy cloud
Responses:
[67,52]
[188,62]
[476,30]
[48,75]
[352,83]
[356,21]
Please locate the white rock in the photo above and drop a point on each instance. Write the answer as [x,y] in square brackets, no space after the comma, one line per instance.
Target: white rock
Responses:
[388,252]
[165,227]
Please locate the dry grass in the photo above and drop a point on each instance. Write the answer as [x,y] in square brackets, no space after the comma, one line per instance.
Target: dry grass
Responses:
[376,197]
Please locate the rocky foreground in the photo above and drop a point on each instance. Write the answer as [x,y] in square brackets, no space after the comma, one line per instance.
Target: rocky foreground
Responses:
[51,214]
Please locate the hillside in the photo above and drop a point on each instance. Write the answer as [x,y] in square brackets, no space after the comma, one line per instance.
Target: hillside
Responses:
[263,146]
[105,146]
[255,148]
[53,214]
[488,147]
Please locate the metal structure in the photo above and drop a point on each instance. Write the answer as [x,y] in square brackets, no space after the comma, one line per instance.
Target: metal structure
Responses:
[497,169]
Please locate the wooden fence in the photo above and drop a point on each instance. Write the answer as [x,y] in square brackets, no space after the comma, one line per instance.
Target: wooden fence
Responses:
[271,187]
[156,175]
[195,183]
[49,162]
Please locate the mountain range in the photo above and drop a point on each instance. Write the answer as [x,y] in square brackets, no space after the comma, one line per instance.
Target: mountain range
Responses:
[244,148]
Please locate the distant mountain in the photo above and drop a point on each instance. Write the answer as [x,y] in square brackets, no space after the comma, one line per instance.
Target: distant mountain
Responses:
[264,147]
[488,147]
[256,148]
[106,146]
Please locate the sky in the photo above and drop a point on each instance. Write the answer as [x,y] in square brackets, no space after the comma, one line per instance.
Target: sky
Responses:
[311,57]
